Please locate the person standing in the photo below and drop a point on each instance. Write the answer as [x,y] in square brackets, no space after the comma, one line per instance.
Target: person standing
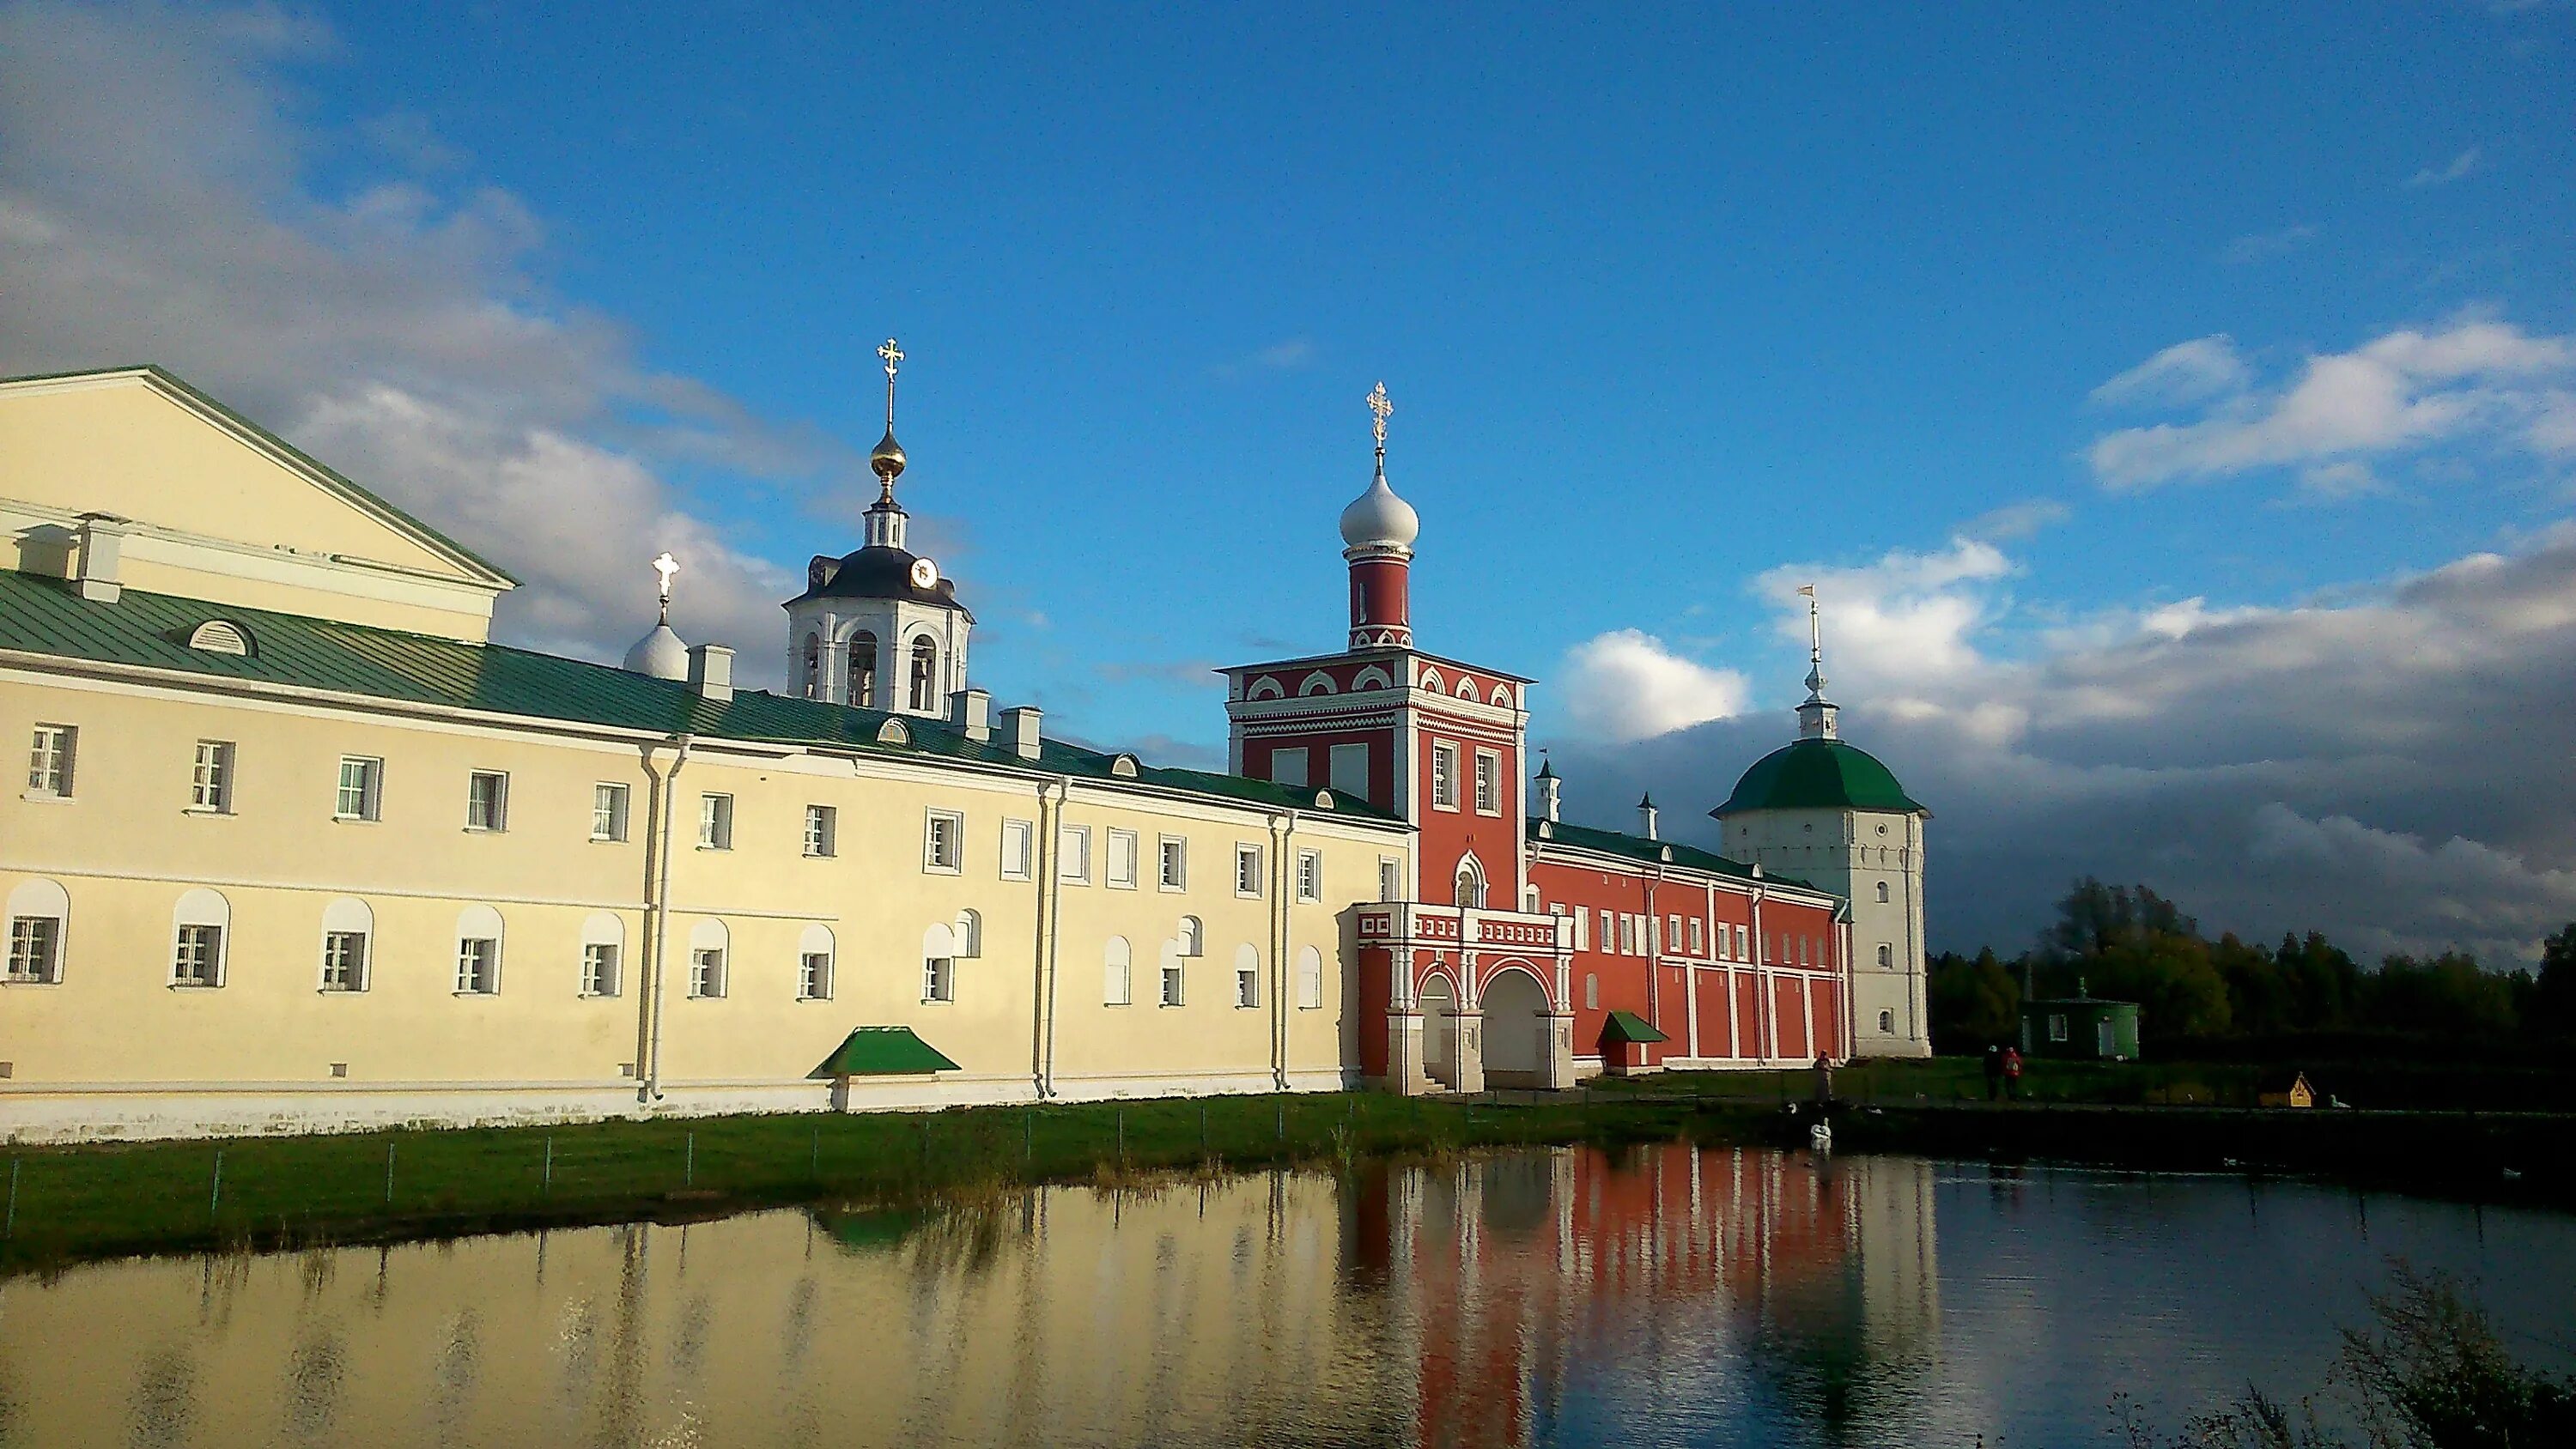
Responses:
[2012,1073]
[1994,1071]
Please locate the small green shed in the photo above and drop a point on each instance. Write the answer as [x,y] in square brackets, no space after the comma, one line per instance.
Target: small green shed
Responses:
[2083,1026]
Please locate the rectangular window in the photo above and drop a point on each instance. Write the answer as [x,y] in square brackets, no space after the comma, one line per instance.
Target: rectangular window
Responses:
[715,822]
[1019,842]
[1743,944]
[200,956]
[1172,863]
[1591,992]
[2056,1027]
[607,812]
[1073,854]
[478,966]
[822,830]
[1171,986]
[1288,766]
[1247,986]
[1627,933]
[938,979]
[1247,870]
[1698,937]
[1489,783]
[1122,859]
[1348,767]
[211,788]
[1310,876]
[1444,777]
[487,800]
[814,976]
[707,972]
[1390,879]
[344,960]
[36,950]
[49,762]
[599,969]
[1582,929]
[942,836]
[361,788]
[1673,933]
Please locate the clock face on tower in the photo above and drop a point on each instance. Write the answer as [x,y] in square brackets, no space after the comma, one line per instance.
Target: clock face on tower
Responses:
[924,573]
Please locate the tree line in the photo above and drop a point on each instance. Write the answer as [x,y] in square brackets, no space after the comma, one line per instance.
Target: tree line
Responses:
[2128,943]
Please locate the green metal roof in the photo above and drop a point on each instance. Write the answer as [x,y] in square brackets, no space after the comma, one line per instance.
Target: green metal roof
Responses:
[883,1051]
[1638,847]
[44,616]
[1818,775]
[1628,1026]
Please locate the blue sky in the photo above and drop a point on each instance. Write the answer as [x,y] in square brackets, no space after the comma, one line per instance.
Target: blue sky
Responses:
[1677,310]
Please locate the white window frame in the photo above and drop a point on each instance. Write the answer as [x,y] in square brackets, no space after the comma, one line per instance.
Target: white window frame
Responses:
[938,979]
[1019,849]
[1671,940]
[608,804]
[813,975]
[1489,782]
[1609,934]
[369,801]
[1698,937]
[1172,862]
[1192,937]
[1444,775]
[602,964]
[340,972]
[497,818]
[200,969]
[715,820]
[1117,972]
[938,856]
[1247,865]
[1582,928]
[53,759]
[1390,878]
[1119,870]
[1310,876]
[1247,988]
[707,971]
[1173,987]
[28,966]
[1310,979]
[1073,854]
[473,977]
[210,782]
[1744,943]
[822,831]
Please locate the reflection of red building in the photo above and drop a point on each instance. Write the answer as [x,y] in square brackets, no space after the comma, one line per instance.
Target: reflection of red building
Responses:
[1529,951]
[1517,1266]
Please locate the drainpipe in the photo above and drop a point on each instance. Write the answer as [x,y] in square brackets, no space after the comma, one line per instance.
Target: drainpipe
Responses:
[1283,829]
[1654,944]
[657,920]
[1765,1001]
[1042,1037]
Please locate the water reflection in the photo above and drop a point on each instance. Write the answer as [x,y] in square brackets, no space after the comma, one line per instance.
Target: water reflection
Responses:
[1658,1294]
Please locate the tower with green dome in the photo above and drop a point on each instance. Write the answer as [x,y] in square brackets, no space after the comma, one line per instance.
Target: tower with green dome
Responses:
[1822,810]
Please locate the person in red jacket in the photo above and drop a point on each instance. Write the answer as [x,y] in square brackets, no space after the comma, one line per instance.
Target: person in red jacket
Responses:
[2012,1073]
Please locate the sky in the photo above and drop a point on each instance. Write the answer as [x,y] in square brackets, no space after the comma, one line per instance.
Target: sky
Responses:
[2174,406]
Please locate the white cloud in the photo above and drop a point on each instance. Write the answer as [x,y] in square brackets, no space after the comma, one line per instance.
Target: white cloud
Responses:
[2263,246]
[2183,373]
[1902,624]
[2461,165]
[2468,382]
[1626,685]
[155,206]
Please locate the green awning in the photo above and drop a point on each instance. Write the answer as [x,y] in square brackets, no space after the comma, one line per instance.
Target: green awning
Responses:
[1630,1027]
[883,1051]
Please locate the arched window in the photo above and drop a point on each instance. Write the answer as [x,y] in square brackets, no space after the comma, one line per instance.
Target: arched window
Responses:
[709,944]
[1310,978]
[348,929]
[939,963]
[863,668]
[200,925]
[478,951]
[1886,954]
[813,666]
[39,910]
[925,674]
[969,932]
[1529,900]
[1117,973]
[1247,975]
[1470,889]
[814,963]
[603,952]
[1882,893]
[1193,937]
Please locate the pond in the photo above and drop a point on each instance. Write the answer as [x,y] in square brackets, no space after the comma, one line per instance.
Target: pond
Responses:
[1654,1295]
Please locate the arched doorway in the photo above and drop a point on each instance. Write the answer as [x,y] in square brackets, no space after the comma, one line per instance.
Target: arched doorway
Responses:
[1516,1031]
[1439,1003]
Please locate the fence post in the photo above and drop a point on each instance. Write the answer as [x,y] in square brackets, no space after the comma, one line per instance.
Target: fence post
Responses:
[217,1200]
[11,1229]
[389,1172]
[1122,1139]
[549,1185]
[689,1163]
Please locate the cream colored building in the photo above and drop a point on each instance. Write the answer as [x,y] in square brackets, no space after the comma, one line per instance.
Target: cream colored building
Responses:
[299,849]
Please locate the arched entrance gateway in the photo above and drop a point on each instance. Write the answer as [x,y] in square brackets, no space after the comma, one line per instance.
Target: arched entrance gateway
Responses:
[1519,1031]
[1439,1002]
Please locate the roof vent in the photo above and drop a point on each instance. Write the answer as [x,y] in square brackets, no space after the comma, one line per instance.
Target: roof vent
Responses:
[893,732]
[220,636]
[1323,799]
[1124,767]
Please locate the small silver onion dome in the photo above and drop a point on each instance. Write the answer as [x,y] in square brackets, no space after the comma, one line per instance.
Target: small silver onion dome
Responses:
[1379,519]
[659,655]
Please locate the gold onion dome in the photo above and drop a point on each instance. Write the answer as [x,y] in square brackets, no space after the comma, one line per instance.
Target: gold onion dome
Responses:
[888,460]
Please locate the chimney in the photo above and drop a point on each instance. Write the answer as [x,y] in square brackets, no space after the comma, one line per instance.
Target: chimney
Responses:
[1020,730]
[1646,816]
[711,671]
[1547,803]
[971,710]
[102,544]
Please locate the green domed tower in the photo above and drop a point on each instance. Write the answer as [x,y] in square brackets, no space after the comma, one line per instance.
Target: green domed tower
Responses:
[1825,811]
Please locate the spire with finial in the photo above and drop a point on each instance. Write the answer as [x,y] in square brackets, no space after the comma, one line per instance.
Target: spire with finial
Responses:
[1378,530]
[885,516]
[1816,714]
[660,653]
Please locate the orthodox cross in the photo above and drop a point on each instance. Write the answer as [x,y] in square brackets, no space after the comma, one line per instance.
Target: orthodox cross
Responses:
[665,565]
[1379,405]
[892,355]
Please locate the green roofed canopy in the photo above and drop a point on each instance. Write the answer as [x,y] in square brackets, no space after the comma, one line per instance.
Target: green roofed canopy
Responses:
[883,1051]
[1818,774]
[1628,1026]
